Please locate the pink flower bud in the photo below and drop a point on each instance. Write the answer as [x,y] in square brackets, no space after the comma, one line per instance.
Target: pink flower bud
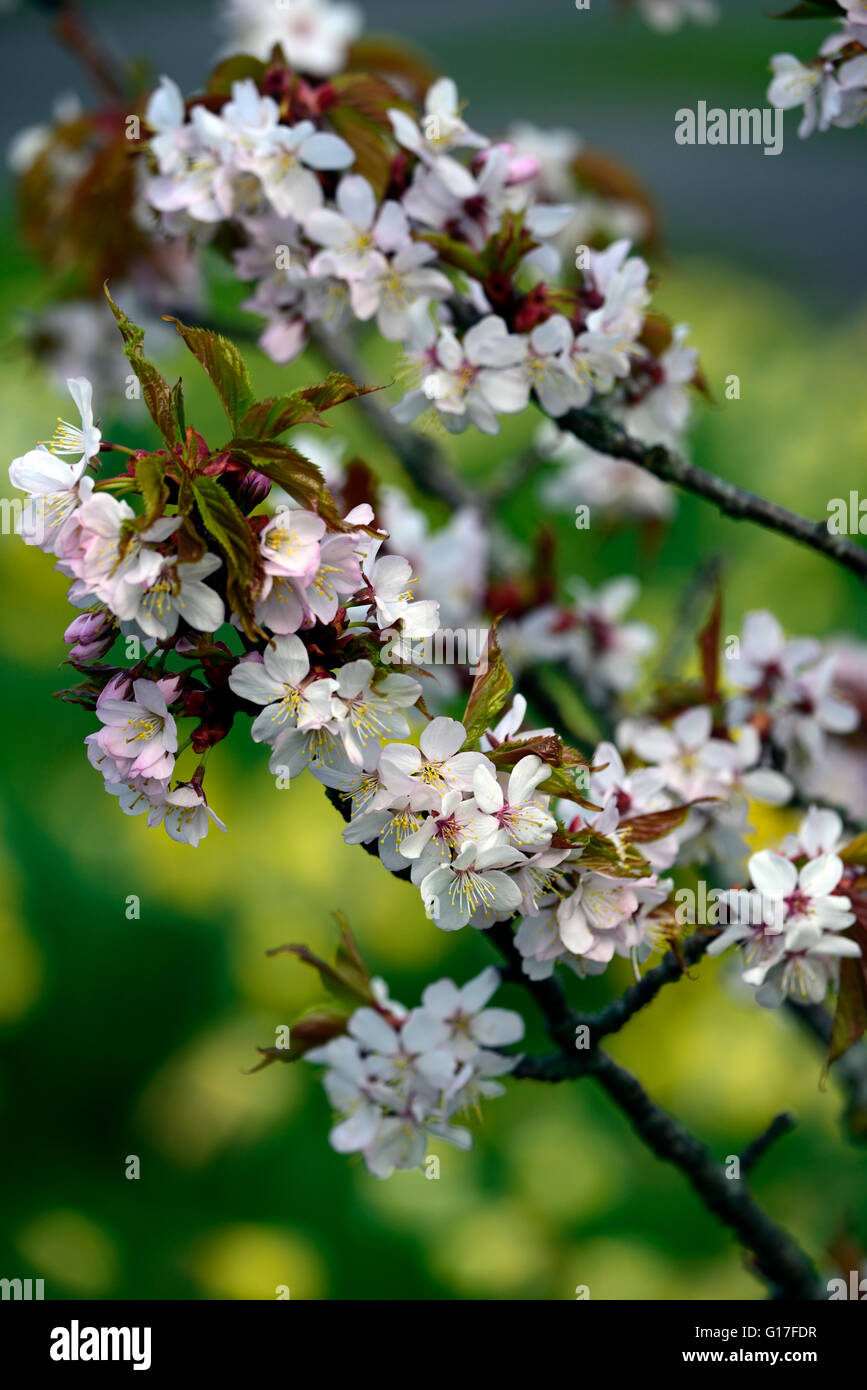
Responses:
[90,635]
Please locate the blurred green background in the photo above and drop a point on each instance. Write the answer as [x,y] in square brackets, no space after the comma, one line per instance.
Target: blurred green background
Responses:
[128,1037]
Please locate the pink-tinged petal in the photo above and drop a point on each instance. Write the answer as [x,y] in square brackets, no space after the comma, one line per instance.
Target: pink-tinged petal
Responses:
[406,132]
[40,473]
[201,607]
[392,227]
[656,745]
[328,228]
[287,662]
[554,335]
[768,786]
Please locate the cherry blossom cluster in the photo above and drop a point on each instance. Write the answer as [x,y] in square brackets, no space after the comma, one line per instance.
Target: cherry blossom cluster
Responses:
[683,795]
[398,1077]
[832,87]
[132,582]
[457,259]
[789,926]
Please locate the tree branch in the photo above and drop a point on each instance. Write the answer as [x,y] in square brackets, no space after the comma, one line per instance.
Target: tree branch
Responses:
[73,32]
[777,1257]
[782,1125]
[607,437]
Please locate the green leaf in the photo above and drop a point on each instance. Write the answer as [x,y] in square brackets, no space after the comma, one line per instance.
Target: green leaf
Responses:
[178,409]
[348,979]
[375,54]
[270,418]
[490,690]
[655,824]
[850,1017]
[709,651]
[156,390]
[457,253]
[227,524]
[372,143]
[296,474]
[224,365]
[234,69]
[150,474]
[603,855]
[313,1030]
[856,851]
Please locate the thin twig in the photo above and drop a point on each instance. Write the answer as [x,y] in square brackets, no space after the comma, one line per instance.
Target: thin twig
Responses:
[782,1125]
[73,32]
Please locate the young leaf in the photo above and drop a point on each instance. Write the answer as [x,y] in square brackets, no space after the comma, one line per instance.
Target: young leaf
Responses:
[150,474]
[856,851]
[456,253]
[655,824]
[293,472]
[850,1017]
[234,69]
[270,418]
[709,649]
[380,55]
[223,364]
[156,390]
[347,979]
[488,695]
[227,524]
[178,409]
[313,1030]
[373,146]
[604,856]
[334,390]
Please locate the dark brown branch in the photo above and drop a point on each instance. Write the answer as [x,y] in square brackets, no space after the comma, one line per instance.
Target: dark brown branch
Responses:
[782,1125]
[777,1257]
[607,437]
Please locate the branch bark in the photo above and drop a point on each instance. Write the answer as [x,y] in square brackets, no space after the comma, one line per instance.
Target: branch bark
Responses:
[607,437]
[776,1255]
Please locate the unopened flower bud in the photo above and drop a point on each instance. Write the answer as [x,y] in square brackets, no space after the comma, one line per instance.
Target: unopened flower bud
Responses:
[91,635]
